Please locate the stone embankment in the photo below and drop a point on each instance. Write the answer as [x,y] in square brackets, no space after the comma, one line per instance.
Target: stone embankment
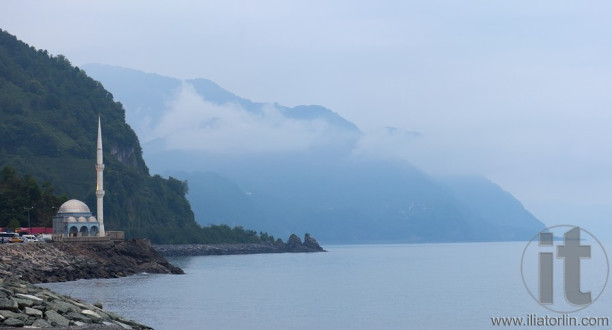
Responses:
[294,244]
[24,304]
[60,262]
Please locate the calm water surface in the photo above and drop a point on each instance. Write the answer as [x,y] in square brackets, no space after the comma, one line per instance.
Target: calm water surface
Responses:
[420,286]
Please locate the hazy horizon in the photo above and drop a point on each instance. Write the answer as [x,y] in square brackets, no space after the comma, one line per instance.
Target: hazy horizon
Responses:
[516,92]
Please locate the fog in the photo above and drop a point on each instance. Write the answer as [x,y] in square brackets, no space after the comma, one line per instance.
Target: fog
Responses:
[192,123]
[516,91]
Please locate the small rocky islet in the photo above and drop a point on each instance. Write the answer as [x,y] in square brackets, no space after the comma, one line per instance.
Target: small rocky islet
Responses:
[23,304]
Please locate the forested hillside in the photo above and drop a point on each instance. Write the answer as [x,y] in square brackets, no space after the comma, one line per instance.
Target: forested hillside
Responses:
[48,130]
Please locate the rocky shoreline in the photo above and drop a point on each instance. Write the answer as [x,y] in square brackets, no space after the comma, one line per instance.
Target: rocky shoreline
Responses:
[60,262]
[25,304]
[294,245]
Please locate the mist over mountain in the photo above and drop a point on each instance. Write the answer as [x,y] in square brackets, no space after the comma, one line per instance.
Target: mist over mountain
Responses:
[302,169]
[174,113]
[49,112]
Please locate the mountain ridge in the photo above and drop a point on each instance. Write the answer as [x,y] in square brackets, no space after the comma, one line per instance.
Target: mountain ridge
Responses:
[49,113]
[326,189]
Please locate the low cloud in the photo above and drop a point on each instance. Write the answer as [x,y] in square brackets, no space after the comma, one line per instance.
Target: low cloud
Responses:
[193,123]
[502,146]
[387,142]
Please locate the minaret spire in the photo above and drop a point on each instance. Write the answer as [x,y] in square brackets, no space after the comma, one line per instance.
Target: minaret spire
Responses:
[100,180]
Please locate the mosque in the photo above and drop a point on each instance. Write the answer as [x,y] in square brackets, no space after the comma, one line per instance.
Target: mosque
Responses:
[74,219]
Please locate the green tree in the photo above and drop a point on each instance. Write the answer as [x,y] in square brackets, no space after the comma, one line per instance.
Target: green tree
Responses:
[13,224]
[18,194]
[48,126]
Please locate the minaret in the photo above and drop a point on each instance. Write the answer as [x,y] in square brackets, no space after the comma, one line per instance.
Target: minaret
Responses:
[100,181]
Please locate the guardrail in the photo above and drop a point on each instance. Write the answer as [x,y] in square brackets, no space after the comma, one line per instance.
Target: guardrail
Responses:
[113,236]
[81,239]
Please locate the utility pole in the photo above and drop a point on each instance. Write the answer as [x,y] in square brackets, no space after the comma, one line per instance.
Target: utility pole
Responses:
[29,224]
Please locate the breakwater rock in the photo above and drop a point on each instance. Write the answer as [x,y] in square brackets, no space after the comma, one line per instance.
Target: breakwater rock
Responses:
[59,262]
[25,305]
[294,244]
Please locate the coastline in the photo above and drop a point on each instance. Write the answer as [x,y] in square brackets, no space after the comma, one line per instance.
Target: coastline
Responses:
[60,262]
[25,304]
[22,303]
[294,245]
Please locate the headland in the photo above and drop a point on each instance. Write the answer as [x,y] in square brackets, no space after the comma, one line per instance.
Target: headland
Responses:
[294,245]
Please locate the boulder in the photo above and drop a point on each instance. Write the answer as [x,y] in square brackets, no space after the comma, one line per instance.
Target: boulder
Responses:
[56,319]
[29,297]
[91,314]
[41,323]
[9,314]
[78,317]
[62,306]
[5,292]
[33,312]
[13,322]
[23,302]
[9,304]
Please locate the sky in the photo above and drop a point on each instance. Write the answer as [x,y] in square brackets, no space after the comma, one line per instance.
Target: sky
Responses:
[517,91]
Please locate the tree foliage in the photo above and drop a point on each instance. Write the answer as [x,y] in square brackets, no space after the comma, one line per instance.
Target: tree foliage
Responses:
[48,129]
[18,194]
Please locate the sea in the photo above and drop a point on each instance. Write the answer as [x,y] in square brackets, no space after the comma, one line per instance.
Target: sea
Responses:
[403,286]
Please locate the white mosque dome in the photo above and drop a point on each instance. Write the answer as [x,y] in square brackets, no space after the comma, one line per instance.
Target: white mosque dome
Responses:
[82,219]
[92,219]
[71,219]
[74,206]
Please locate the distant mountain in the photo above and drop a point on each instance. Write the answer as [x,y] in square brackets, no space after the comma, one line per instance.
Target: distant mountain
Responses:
[321,186]
[148,95]
[361,201]
[48,131]
[501,215]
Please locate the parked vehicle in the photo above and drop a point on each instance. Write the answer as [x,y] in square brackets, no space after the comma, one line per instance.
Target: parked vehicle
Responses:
[16,239]
[29,238]
[10,238]
[6,237]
